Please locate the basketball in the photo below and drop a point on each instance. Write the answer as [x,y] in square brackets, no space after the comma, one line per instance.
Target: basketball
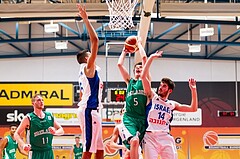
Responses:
[210,138]
[108,150]
[131,44]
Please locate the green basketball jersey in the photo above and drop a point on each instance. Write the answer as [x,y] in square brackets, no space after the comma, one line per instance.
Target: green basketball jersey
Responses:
[38,135]
[136,100]
[78,151]
[10,150]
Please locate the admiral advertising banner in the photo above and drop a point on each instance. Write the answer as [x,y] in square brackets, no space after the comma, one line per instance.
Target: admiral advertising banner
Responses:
[54,94]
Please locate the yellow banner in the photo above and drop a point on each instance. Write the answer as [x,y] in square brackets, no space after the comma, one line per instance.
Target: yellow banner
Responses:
[54,94]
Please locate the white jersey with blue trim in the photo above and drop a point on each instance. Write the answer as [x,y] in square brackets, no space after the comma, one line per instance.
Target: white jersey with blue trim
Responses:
[160,115]
[91,89]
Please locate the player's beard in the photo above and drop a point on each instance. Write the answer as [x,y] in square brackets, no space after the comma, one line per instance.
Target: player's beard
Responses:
[162,94]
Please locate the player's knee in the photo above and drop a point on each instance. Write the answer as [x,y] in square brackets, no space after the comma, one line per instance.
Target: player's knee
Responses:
[134,142]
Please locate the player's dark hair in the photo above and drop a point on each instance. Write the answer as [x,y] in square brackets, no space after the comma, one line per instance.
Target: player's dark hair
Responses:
[169,82]
[81,56]
[139,63]
[13,124]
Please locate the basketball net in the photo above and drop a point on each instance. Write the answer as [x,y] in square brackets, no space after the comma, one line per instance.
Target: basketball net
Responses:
[121,13]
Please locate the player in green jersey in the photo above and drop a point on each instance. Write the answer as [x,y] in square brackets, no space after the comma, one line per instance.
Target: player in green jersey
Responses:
[8,145]
[135,117]
[77,149]
[41,127]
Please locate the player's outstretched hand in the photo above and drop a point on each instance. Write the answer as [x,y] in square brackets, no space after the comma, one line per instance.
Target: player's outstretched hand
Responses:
[82,11]
[192,83]
[52,130]
[157,54]
[125,51]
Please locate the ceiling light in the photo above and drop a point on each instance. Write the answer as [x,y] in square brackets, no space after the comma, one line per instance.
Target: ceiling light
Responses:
[51,28]
[194,48]
[206,31]
[61,44]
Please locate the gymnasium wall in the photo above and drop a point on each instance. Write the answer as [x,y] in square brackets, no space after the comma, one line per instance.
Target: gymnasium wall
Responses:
[65,69]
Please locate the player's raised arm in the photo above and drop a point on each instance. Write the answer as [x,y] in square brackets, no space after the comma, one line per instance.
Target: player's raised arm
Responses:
[121,67]
[142,51]
[194,102]
[90,69]
[145,72]
[143,57]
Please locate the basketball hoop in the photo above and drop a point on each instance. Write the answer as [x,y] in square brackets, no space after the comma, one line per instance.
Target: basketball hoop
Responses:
[121,13]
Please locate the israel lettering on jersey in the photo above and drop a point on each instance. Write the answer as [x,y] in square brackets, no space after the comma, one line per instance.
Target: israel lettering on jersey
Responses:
[160,114]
